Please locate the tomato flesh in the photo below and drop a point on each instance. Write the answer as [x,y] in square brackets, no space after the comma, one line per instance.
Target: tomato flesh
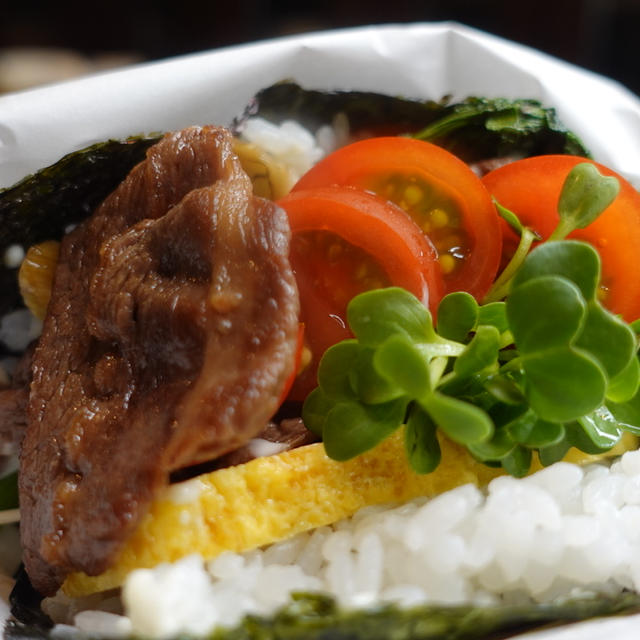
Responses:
[335,268]
[439,191]
[531,189]
[346,241]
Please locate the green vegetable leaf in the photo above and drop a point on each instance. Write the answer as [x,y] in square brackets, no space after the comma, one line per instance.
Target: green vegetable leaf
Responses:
[315,409]
[543,434]
[457,316]
[576,261]
[627,414]
[554,453]
[510,218]
[480,354]
[545,312]
[379,314]
[495,315]
[518,462]
[400,361]
[586,193]
[461,421]
[564,383]
[504,389]
[368,384]
[608,338]
[595,432]
[352,428]
[421,442]
[496,448]
[624,386]
[333,370]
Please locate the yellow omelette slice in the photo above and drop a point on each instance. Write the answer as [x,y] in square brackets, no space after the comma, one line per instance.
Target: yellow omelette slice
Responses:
[272,498]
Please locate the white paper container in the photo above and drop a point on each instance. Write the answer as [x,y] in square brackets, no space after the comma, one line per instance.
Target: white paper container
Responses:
[420,61]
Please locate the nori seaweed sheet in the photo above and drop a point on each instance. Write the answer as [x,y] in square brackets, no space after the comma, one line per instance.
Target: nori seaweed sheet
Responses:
[318,617]
[474,129]
[41,206]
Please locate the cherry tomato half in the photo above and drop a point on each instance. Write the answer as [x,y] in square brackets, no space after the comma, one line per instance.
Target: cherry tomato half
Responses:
[531,189]
[346,241]
[438,190]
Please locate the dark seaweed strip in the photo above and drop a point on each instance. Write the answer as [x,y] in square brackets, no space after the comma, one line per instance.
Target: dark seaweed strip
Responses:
[318,618]
[313,617]
[365,110]
[40,207]
[475,129]
[480,128]
[25,604]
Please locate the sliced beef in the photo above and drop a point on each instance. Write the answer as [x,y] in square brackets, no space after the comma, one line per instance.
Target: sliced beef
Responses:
[171,330]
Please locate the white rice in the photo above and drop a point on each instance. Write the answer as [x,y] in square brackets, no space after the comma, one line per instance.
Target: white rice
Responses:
[13,256]
[565,530]
[294,146]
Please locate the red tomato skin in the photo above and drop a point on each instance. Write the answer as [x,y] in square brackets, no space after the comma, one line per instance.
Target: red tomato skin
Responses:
[378,227]
[353,164]
[383,231]
[531,189]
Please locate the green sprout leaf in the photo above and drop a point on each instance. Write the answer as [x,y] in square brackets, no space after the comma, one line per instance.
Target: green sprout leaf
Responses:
[596,432]
[518,462]
[586,193]
[352,428]
[563,383]
[399,360]
[334,368]
[607,338]
[576,261]
[480,354]
[457,316]
[461,421]
[544,434]
[627,414]
[624,386]
[421,442]
[554,453]
[379,314]
[504,388]
[368,384]
[315,410]
[510,218]
[499,446]
[494,314]
[545,312]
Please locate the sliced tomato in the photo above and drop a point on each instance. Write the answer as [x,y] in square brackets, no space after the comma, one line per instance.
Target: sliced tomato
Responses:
[296,365]
[438,190]
[531,189]
[346,241]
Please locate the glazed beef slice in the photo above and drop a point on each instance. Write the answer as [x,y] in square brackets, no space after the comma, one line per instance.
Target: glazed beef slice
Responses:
[171,331]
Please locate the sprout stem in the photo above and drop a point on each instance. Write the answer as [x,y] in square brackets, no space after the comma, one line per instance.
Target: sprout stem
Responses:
[502,285]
